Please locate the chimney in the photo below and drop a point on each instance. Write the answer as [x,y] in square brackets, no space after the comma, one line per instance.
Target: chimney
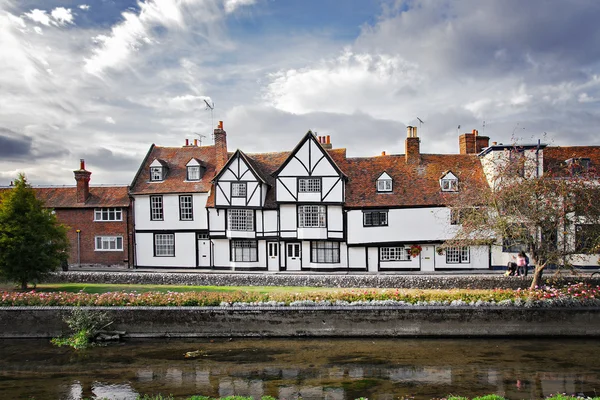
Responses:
[472,143]
[325,142]
[412,152]
[83,182]
[220,147]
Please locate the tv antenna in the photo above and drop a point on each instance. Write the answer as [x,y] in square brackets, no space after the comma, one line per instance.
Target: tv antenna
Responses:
[200,137]
[210,106]
[420,122]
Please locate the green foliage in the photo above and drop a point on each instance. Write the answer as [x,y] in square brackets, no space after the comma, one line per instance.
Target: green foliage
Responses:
[85,325]
[32,242]
[490,397]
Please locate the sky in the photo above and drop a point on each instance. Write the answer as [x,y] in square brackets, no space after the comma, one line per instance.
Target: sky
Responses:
[104,79]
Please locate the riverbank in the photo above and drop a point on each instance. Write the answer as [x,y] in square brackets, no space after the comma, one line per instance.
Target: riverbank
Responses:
[315,321]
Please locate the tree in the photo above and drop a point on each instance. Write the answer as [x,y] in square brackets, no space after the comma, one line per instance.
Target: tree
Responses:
[554,216]
[32,242]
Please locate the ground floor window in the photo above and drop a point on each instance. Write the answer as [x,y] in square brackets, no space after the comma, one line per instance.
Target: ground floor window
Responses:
[244,250]
[109,243]
[164,244]
[400,253]
[325,252]
[457,255]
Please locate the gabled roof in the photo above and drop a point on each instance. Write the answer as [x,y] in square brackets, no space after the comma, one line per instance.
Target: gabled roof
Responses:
[555,157]
[309,136]
[253,169]
[100,196]
[415,185]
[176,159]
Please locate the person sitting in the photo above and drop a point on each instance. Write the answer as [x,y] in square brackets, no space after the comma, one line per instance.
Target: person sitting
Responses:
[522,263]
[511,269]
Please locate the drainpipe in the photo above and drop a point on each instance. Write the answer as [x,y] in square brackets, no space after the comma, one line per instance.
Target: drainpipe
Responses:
[78,247]
[537,160]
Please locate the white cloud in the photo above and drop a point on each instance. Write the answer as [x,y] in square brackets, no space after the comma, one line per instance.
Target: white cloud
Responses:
[110,120]
[38,30]
[232,5]
[84,7]
[62,16]
[40,16]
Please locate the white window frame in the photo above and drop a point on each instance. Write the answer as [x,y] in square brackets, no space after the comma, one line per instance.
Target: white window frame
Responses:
[312,216]
[104,243]
[238,189]
[394,253]
[449,185]
[240,220]
[186,208]
[110,214]
[457,255]
[156,174]
[156,208]
[193,173]
[164,245]
[384,185]
[244,250]
[309,185]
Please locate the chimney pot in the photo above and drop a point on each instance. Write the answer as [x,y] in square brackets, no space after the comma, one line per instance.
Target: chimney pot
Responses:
[220,124]
[196,142]
[494,143]
[383,153]
[81,164]
[187,142]
[328,139]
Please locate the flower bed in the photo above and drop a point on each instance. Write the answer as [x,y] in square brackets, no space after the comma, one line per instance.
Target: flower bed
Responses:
[574,295]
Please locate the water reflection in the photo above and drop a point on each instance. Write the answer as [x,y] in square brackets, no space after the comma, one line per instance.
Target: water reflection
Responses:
[309,369]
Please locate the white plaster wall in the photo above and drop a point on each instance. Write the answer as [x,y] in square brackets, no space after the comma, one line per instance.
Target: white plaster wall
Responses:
[287,218]
[306,257]
[217,220]
[170,213]
[336,193]
[185,251]
[222,193]
[282,193]
[312,233]
[404,225]
[253,189]
[270,221]
[478,259]
[221,252]
[324,168]
[335,219]
[410,264]
[357,257]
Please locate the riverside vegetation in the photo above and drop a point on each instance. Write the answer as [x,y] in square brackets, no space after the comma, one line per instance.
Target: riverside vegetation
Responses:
[573,295]
[450,397]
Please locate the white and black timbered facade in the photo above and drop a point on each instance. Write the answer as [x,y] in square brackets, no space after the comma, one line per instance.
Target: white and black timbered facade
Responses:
[313,208]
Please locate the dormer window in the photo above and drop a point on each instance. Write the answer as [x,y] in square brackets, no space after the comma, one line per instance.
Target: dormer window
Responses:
[194,170]
[449,183]
[158,171]
[384,183]
[578,165]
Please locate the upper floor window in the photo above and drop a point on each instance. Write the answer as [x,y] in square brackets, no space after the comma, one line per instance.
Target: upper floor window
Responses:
[375,218]
[186,210]
[384,183]
[309,185]
[156,208]
[587,238]
[240,220]
[238,189]
[156,173]
[108,214]
[449,182]
[312,217]
[158,170]
[193,173]
[109,243]
[578,165]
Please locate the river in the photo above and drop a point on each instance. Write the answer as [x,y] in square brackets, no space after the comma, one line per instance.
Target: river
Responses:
[340,369]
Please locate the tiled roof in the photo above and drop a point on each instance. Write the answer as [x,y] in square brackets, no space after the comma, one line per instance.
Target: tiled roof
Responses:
[100,196]
[554,157]
[413,184]
[176,159]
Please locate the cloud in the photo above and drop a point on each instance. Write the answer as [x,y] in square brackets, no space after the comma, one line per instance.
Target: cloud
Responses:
[232,5]
[62,16]
[110,120]
[84,7]
[12,145]
[39,16]
[59,16]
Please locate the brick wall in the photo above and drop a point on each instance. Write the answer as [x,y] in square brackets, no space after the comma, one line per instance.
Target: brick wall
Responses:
[83,219]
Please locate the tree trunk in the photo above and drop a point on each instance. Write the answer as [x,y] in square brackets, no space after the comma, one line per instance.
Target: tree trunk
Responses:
[537,276]
[23,285]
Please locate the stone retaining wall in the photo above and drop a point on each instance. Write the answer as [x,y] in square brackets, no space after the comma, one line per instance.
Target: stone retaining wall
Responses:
[321,280]
[42,322]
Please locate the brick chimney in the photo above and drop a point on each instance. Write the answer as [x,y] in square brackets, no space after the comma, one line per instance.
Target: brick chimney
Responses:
[472,143]
[412,147]
[220,147]
[325,142]
[83,182]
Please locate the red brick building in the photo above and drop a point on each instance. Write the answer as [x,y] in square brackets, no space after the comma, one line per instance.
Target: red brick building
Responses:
[98,220]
